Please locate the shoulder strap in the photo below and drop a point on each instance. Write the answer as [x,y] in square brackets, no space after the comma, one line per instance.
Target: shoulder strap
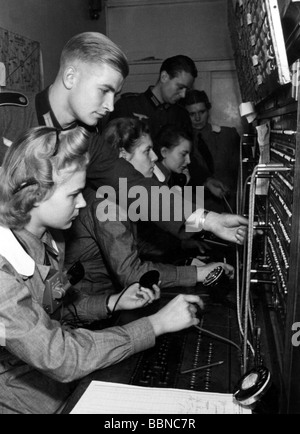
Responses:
[13,98]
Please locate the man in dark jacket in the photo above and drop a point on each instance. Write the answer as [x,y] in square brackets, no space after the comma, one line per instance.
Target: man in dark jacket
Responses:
[159,104]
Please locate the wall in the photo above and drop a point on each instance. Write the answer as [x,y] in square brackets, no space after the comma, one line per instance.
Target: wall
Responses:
[149,31]
[163,28]
[51,22]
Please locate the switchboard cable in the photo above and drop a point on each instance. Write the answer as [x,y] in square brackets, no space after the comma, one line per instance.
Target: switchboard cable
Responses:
[221,338]
[227,204]
[241,290]
[118,300]
[240,210]
[240,206]
[208,332]
[240,294]
[238,275]
[239,303]
[243,203]
[239,196]
[243,275]
[258,170]
[249,263]
[74,321]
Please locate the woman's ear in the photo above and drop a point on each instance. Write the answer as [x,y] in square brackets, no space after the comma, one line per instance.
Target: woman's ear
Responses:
[164,152]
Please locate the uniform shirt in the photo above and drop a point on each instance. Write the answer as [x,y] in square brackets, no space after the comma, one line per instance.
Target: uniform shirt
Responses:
[40,360]
[145,106]
[201,166]
[109,253]
[224,145]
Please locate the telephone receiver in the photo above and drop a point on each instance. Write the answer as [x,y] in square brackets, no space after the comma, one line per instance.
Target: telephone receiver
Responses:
[149,279]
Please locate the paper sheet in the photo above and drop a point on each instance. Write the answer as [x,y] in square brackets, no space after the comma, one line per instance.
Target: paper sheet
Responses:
[112,398]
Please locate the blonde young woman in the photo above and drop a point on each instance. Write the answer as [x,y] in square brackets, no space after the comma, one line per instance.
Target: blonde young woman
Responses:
[41,184]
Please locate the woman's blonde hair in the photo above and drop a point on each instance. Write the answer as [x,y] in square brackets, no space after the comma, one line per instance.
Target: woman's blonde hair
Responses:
[35,164]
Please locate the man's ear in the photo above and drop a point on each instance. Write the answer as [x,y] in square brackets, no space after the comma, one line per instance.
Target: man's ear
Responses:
[69,77]
[164,76]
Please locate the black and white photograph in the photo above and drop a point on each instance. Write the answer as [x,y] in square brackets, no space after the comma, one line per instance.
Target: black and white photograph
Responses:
[149,210]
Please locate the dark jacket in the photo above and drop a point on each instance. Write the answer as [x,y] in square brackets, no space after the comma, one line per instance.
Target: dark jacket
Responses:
[109,252]
[146,106]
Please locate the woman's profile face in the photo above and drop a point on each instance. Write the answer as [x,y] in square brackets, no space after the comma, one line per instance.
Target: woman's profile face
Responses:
[143,157]
[63,206]
[178,158]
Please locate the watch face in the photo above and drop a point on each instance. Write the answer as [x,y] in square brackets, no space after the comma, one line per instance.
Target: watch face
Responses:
[213,277]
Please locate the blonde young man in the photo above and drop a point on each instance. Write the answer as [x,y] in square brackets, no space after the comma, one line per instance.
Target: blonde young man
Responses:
[92,72]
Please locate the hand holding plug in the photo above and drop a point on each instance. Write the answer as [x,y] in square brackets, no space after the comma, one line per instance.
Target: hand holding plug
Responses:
[177,315]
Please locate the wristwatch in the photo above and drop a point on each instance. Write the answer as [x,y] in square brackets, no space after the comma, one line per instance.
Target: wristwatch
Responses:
[203,218]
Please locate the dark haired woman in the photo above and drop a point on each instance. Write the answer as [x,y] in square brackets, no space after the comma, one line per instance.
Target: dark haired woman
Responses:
[216,153]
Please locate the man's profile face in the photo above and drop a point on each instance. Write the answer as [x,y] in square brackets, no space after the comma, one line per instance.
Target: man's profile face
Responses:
[93,92]
[174,89]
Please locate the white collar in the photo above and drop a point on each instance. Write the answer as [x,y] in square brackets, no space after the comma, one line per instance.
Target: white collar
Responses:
[159,174]
[216,129]
[7,142]
[12,250]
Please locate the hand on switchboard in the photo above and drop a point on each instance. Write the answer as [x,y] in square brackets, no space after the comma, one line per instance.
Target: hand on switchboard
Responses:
[229,227]
[205,270]
[178,314]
